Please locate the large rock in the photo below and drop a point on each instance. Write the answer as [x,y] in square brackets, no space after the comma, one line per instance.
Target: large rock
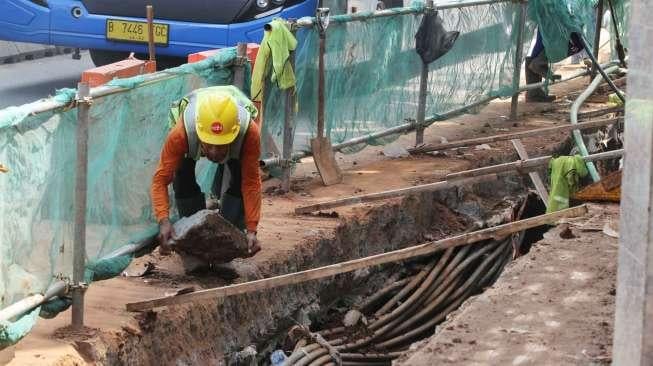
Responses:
[209,237]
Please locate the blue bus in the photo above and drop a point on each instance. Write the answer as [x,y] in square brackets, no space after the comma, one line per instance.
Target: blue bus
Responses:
[111,29]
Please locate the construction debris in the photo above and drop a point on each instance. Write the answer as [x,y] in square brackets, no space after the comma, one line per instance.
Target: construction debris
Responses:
[208,236]
[607,189]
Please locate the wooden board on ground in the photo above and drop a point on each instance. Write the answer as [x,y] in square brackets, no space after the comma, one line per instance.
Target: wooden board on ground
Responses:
[607,189]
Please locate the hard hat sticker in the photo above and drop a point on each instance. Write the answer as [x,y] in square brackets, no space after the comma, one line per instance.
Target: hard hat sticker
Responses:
[216,128]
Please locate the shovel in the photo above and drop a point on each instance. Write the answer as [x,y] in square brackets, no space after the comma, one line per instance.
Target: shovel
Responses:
[321,146]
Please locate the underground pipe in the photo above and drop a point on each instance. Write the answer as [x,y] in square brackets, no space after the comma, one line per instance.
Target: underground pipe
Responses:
[442,292]
[369,356]
[433,275]
[461,294]
[306,360]
[300,353]
[321,360]
[387,290]
[405,291]
[403,311]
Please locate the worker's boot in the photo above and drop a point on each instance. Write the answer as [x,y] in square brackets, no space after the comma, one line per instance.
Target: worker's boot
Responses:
[535,95]
[189,206]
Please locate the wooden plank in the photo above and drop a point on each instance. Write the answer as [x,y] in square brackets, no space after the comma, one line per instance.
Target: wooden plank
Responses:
[514,135]
[607,189]
[496,232]
[431,187]
[600,112]
[526,165]
[535,177]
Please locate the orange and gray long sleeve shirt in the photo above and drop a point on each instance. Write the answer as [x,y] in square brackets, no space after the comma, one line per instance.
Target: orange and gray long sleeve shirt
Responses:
[174,150]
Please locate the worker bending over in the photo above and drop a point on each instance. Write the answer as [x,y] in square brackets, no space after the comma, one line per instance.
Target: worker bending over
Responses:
[216,123]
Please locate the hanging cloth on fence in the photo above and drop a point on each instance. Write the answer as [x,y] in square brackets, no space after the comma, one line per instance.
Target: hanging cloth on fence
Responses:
[565,173]
[432,41]
[277,44]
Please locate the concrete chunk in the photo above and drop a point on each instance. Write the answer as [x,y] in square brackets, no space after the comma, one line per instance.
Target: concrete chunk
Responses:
[209,237]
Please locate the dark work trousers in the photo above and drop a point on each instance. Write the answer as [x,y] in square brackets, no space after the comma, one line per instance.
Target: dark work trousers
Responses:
[575,45]
[190,199]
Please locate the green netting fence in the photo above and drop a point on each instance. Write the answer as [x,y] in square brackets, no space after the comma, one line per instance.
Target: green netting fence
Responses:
[372,71]
[126,132]
[372,85]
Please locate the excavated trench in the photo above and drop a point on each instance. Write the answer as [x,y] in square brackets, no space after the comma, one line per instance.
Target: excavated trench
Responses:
[379,304]
[246,329]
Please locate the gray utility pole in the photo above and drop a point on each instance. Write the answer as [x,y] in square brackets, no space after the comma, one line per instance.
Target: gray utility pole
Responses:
[633,335]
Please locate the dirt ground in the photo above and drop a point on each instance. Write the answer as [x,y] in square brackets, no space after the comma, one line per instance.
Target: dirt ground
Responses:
[281,232]
[554,306]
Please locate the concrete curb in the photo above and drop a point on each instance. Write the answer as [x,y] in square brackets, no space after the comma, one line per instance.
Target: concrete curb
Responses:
[11,52]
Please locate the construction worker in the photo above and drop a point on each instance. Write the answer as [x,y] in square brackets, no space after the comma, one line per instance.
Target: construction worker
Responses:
[537,67]
[216,123]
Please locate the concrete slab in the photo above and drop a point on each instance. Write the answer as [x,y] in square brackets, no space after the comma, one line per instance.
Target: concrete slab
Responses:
[18,51]
[8,52]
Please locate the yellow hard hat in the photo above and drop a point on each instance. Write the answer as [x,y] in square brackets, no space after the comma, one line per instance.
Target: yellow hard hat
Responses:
[217,117]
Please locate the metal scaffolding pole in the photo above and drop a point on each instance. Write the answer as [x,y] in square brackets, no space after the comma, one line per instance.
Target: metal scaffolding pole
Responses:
[597,36]
[288,133]
[519,58]
[79,243]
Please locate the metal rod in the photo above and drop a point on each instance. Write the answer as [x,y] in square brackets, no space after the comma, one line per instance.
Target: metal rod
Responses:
[423,86]
[50,105]
[60,288]
[79,244]
[519,58]
[621,52]
[597,35]
[410,126]
[526,165]
[515,135]
[151,48]
[372,197]
[600,112]
[421,104]
[308,22]
[320,86]
[239,70]
[288,132]
[601,71]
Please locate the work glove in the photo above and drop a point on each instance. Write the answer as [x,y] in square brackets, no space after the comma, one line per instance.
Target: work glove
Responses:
[166,232]
[252,243]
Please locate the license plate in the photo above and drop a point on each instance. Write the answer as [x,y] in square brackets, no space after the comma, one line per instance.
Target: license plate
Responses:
[128,31]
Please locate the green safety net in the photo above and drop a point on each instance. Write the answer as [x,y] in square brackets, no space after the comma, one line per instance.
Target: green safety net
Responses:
[126,132]
[622,17]
[372,71]
[558,19]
